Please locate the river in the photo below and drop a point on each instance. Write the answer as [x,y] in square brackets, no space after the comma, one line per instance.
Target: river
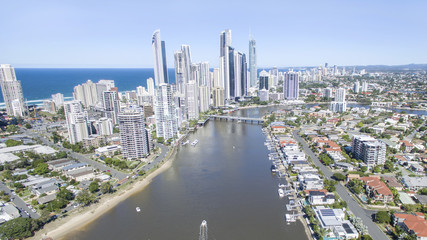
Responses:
[225,180]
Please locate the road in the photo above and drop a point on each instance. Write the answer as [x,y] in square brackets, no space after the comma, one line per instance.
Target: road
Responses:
[358,211]
[411,136]
[158,159]
[19,203]
[114,173]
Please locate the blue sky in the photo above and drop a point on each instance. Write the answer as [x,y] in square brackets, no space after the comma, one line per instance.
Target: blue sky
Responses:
[85,33]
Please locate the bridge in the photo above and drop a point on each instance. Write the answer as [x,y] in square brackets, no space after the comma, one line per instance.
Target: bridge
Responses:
[237,119]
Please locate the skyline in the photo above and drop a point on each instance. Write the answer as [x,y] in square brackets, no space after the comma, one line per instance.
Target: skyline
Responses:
[60,34]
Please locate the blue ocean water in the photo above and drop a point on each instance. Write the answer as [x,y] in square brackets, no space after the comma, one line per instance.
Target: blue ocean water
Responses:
[41,83]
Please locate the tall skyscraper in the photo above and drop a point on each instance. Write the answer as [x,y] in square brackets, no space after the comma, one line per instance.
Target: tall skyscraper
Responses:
[252,62]
[204,98]
[364,86]
[339,104]
[356,87]
[291,86]
[159,56]
[58,99]
[263,80]
[77,122]
[12,92]
[102,86]
[218,97]
[86,93]
[182,67]
[238,74]
[216,78]
[150,86]
[224,44]
[166,120]
[133,135]
[192,96]
[111,105]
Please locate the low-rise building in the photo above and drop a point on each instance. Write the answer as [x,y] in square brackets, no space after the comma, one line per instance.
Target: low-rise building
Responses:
[377,190]
[412,224]
[108,150]
[415,183]
[8,212]
[319,197]
[334,221]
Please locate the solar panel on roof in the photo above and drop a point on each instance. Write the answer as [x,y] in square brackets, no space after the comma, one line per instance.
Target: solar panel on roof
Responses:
[347,228]
[327,212]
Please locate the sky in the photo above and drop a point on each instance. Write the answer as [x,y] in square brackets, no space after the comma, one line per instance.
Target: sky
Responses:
[104,33]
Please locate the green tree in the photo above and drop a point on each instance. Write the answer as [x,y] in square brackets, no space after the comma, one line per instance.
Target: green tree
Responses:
[12,143]
[94,186]
[160,140]
[18,228]
[364,169]
[339,177]
[85,198]
[382,217]
[12,128]
[65,194]
[28,126]
[106,188]
[41,169]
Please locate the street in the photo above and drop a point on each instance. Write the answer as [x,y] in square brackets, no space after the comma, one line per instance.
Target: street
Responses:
[358,211]
[19,203]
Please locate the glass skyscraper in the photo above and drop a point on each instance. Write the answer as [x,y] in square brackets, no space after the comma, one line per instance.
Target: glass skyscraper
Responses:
[252,62]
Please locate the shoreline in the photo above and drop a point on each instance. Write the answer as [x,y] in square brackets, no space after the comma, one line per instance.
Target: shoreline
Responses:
[79,219]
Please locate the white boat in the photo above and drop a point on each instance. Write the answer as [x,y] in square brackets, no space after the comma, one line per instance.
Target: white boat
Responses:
[185,143]
[282,185]
[281,192]
[138,209]
[194,143]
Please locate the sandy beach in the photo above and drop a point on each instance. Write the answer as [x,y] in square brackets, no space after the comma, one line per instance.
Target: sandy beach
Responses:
[80,218]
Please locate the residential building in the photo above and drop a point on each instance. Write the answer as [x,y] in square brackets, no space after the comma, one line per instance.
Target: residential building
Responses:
[377,190]
[334,221]
[218,96]
[111,105]
[77,122]
[369,149]
[159,56]
[58,99]
[86,93]
[204,98]
[192,97]
[263,95]
[166,120]
[356,87]
[182,67]
[238,74]
[225,43]
[12,92]
[263,80]
[133,135]
[414,183]
[412,224]
[340,104]
[253,71]
[291,86]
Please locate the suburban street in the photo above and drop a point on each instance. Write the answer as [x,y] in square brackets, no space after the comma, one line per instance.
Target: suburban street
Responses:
[19,203]
[358,211]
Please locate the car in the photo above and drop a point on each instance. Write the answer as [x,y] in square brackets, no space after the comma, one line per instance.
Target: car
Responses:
[33,210]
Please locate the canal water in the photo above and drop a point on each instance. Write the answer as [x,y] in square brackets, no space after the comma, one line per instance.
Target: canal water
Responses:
[225,179]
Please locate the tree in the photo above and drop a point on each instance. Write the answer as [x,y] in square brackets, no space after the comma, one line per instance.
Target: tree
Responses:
[382,217]
[65,194]
[339,177]
[12,128]
[28,126]
[106,188]
[94,186]
[12,143]
[160,140]
[18,228]
[85,198]
[364,169]
[41,169]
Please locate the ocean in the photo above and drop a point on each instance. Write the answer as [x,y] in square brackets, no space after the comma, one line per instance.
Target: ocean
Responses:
[39,84]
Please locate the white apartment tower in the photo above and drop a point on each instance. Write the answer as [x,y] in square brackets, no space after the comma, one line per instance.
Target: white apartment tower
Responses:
[192,96]
[291,86]
[218,97]
[133,135]
[340,104]
[58,99]
[150,86]
[159,56]
[77,123]
[204,98]
[356,87]
[111,104]
[369,149]
[86,93]
[166,120]
[12,92]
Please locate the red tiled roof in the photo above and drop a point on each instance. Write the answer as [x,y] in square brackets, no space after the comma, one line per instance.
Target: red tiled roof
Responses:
[377,185]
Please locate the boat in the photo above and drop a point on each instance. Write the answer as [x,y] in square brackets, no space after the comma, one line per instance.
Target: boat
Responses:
[282,185]
[194,143]
[185,143]
[138,209]
[281,192]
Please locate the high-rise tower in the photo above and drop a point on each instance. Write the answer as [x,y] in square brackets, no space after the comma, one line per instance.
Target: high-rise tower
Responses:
[12,91]
[224,44]
[166,120]
[252,62]
[291,86]
[133,135]
[159,56]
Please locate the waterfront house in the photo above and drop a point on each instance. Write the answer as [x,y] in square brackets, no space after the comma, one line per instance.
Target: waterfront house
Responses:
[319,197]
[333,220]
